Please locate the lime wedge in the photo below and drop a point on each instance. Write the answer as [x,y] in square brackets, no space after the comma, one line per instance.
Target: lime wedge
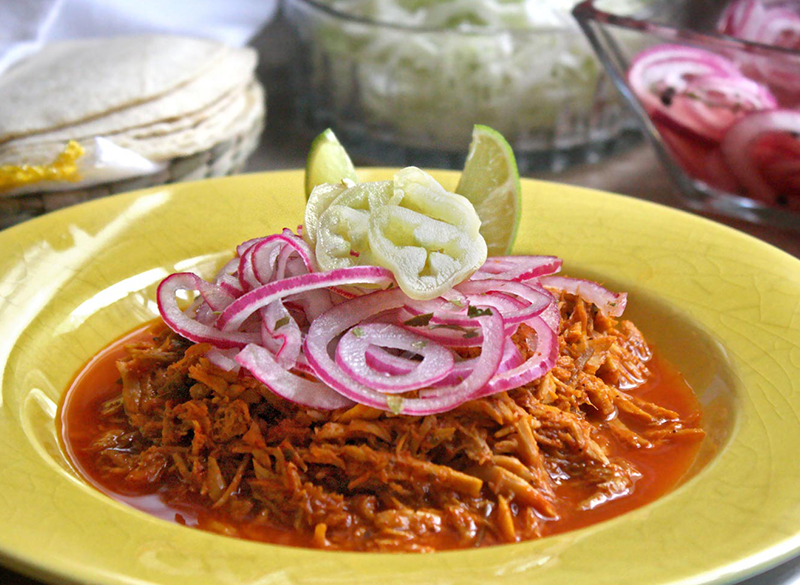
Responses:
[328,162]
[490,181]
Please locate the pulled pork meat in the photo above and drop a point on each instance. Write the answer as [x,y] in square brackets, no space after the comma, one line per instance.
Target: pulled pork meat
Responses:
[362,479]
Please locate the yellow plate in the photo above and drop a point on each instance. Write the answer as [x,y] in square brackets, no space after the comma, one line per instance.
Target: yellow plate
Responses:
[721,305]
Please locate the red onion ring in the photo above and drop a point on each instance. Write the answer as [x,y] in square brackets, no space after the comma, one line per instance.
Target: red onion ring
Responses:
[271,255]
[694,92]
[382,361]
[609,303]
[450,335]
[552,317]
[452,327]
[247,244]
[247,304]
[541,362]
[263,259]
[510,360]
[226,278]
[710,103]
[518,268]
[739,147]
[265,369]
[537,298]
[246,270]
[445,312]
[348,314]
[672,67]
[436,364]
[224,359]
[771,24]
[280,328]
[741,19]
[187,327]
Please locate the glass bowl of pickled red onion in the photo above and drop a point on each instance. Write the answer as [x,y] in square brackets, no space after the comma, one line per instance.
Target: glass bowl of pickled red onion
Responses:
[716,87]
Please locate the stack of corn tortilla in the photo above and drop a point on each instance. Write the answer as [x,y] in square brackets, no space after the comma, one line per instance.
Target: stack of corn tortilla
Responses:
[164,98]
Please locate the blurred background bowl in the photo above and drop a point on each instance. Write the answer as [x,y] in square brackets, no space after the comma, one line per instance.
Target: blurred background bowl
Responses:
[405,94]
[715,86]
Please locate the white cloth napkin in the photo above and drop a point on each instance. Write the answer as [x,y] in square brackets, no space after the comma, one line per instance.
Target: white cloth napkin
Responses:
[25,25]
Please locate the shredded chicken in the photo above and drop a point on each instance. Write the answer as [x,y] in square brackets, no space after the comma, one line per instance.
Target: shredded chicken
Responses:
[361,479]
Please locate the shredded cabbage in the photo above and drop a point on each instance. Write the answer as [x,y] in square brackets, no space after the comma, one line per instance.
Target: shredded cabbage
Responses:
[519,66]
[461,14]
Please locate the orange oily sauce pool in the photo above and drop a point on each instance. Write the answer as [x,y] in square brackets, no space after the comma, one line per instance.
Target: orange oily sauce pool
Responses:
[661,467]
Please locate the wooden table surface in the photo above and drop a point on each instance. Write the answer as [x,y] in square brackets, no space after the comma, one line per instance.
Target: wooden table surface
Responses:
[636,173]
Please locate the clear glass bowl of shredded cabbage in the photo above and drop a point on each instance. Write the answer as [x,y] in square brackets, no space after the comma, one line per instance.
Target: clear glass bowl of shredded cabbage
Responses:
[403,81]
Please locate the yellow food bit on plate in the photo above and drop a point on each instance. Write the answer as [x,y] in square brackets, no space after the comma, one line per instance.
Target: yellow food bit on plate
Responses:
[63,168]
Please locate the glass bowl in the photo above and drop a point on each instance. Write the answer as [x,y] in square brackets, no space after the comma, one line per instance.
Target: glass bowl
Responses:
[721,111]
[398,94]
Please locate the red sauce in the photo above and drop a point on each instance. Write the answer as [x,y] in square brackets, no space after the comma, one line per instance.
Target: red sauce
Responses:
[661,467]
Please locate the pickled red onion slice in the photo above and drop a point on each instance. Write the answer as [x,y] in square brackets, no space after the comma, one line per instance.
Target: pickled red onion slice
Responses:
[763,150]
[537,365]
[742,19]
[668,69]
[695,92]
[348,314]
[710,103]
[382,361]
[774,25]
[609,303]
[536,298]
[519,268]
[542,360]
[292,387]
[436,363]
[281,330]
[247,304]
[187,327]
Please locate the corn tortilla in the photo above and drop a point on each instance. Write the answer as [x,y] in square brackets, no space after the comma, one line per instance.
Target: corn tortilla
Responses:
[191,102]
[70,82]
[232,115]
